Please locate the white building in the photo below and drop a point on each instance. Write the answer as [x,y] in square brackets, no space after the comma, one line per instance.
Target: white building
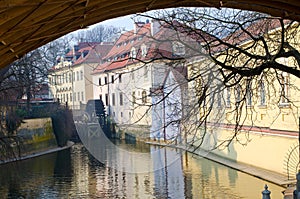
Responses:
[137,64]
[70,80]
[169,106]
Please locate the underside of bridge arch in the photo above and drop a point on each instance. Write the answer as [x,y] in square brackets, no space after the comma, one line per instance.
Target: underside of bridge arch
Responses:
[28,24]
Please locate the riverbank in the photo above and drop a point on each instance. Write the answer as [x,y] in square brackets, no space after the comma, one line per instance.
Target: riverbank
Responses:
[39,153]
[264,174]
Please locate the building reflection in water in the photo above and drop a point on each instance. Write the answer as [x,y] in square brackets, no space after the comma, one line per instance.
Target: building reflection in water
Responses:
[75,173]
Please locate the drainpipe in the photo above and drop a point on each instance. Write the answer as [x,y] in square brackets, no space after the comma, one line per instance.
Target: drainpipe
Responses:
[164,114]
[108,94]
[72,79]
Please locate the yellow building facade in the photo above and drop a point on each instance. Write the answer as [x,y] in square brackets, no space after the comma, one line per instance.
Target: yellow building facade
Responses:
[254,121]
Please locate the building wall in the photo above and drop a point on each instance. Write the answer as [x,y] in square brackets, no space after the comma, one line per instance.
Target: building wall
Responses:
[72,85]
[270,126]
[136,81]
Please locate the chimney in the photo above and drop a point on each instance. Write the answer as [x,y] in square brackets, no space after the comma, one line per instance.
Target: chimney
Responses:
[155,26]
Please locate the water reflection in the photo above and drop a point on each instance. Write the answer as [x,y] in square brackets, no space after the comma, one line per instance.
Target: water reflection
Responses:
[75,173]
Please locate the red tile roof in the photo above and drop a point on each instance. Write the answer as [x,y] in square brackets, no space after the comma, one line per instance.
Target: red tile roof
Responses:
[88,52]
[158,46]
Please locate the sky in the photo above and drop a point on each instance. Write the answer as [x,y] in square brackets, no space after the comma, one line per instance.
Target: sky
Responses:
[123,22]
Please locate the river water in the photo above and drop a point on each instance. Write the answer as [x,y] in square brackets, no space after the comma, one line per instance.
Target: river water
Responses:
[74,173]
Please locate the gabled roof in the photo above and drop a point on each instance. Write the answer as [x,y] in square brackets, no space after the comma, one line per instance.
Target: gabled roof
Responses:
[87,52]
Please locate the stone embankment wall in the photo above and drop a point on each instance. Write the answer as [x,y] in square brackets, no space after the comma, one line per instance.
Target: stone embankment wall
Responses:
[133,132]
[37,135]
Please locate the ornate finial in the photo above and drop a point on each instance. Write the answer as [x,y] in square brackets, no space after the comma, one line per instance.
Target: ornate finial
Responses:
[266,187]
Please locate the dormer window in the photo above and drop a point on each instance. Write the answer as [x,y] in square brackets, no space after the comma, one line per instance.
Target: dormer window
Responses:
[84,53]
[133,53]
[144,50]
[178,48]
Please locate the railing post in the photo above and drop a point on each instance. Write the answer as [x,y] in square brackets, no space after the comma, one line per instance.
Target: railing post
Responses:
[296,192]
[266,193]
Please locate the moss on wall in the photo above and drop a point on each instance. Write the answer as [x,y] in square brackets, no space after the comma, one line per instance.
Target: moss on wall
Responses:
[37,135]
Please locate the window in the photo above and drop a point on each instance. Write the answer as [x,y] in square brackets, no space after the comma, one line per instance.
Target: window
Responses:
[120,78]
[238,93]
[121,114]
[82,96]
[249,95]
[105,80]
[73,77]
[178,48]
[133,98]
[144,97]
[146,71]
[81,75]
[132,74]
[228,97]
[78,96]
[121,99]
[106,99]
[74,97]
[100,96]
[284,88]
[112,79]
[262,93]
[144,50]
[99,81]
[113,99]
[77,74]
[219,101]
